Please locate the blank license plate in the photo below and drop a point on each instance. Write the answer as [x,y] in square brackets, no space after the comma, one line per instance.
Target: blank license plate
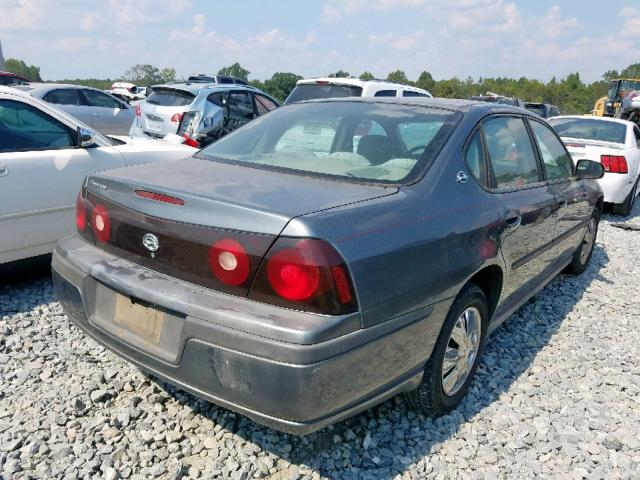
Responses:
[145,322]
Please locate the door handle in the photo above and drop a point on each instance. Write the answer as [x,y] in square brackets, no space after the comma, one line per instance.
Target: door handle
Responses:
[4,170]
[512,218]
[95,114]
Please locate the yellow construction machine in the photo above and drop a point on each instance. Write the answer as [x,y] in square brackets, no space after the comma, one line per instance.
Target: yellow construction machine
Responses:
[609,106]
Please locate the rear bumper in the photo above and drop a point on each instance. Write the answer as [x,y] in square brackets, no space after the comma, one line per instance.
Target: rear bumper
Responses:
[616,186]
[293,371]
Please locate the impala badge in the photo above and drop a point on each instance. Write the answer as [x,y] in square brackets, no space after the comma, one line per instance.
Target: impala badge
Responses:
[151,243]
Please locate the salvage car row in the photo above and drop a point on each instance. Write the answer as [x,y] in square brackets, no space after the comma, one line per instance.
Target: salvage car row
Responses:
[333,253]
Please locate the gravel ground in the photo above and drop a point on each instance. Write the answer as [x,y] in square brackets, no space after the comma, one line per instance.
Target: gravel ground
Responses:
[557,395]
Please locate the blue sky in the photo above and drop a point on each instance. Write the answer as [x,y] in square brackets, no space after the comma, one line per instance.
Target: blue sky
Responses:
[532,38]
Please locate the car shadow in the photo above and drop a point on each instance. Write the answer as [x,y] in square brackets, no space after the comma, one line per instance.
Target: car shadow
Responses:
[365,446]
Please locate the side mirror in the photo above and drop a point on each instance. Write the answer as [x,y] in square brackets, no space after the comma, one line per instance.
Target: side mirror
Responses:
[85,137]
[588,169]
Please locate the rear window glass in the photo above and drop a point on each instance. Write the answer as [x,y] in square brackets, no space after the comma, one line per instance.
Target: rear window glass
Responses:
[386,93]
[322,90]
[411,93]
[372,142]
[590,129]
[166,97]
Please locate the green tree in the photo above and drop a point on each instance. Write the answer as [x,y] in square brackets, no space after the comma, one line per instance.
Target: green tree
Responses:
[398,76]
[145,74]
[632,71]
[340,74]
[280,84]
[426,81]
[366,76]
[30,72]
[235,70]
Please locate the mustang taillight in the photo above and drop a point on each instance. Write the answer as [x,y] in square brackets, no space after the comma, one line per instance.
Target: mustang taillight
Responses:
[100,223]
[81,213]
[306,274]
[229,262]
[614,163]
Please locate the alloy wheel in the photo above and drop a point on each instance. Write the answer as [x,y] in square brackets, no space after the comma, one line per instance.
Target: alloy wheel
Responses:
[462,350]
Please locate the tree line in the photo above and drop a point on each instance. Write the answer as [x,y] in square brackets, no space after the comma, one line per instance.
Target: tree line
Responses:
[570,93]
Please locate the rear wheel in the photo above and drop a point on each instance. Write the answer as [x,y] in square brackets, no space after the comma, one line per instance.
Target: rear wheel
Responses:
[582,255]
[455,357]
[625,207]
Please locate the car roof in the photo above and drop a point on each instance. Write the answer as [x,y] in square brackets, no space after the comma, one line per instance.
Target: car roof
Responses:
[191,87]
[228,86]
[593,117]
[12,90]
[453,104]
[38,87]
[355,82]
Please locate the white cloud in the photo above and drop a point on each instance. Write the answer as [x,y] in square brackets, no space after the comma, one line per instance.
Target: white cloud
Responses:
[89,22]
[483,16]
[21,14]
[631,27]
[329,14]
[553,25]
[408,42]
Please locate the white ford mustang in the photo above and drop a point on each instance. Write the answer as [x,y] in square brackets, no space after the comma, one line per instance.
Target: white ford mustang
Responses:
[44,156]
[613,142]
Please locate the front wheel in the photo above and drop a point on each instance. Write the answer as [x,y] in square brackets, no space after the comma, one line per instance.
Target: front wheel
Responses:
[455,357]
[582,255]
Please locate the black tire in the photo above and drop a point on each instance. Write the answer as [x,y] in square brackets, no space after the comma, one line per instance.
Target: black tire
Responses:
[580,262]
[429,397]
[625,207]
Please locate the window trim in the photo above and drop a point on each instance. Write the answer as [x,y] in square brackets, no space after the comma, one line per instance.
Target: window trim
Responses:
[572,177]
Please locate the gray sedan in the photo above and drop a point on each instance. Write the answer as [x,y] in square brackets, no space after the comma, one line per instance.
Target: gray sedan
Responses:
[330,254]
[103,112]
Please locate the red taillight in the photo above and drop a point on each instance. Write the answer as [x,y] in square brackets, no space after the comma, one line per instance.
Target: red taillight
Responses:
[614,163]
[306,274]
[229,262]
[81,213]
[176,117]
[138,110]
[100,223]
[291,276]
[190,141]
[159,197]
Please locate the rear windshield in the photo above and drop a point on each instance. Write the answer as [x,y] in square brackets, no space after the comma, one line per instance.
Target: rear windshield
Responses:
[310,91]
[590,129]
[167,97]
[362,141]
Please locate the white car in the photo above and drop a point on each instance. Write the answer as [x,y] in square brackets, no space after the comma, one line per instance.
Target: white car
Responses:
[44,156]
[613,142]
[332,87]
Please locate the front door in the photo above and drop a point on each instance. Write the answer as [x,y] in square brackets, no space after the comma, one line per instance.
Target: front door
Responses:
[110,115]
[525,202]
[41,171]
[574,210]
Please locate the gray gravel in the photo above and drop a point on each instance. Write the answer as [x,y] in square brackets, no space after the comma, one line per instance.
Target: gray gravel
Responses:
[557,395]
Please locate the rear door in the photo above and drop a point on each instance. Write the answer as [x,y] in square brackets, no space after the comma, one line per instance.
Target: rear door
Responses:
[69,100]
[41,170]
[239,109]
[525,203]
[110,115]
[573,204]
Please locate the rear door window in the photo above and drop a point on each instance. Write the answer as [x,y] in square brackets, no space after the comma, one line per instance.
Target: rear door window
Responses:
[410,93]
[63,96]
[386,93]
[511,155]
[240,108]
[99,99]
[556,161]
[166,97]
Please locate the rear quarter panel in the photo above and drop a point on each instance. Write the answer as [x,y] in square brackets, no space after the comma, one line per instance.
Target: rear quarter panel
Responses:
[417,247]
